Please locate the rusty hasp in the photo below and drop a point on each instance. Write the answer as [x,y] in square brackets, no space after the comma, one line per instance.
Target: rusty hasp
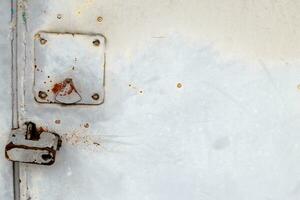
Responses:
[29,145]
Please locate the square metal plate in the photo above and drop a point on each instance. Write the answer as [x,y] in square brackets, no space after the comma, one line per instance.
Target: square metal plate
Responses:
[69,68]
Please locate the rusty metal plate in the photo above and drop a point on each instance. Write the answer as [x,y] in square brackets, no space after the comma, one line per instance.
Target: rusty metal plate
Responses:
[33,146]
[69,68]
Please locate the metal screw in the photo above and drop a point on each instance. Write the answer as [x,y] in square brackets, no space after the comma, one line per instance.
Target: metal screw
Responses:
[99,19]
[59,16]
[95,96]
[43,41]
[96,42]
[42,94]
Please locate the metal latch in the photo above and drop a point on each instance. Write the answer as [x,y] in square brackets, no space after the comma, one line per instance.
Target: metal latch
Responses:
[29,145]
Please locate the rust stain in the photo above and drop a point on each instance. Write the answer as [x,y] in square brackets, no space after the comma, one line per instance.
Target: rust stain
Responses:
[83,140]
[42,129]
[57,87]
[60,86]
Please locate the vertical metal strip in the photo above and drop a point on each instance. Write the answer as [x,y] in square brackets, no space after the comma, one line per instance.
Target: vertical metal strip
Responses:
[14,85]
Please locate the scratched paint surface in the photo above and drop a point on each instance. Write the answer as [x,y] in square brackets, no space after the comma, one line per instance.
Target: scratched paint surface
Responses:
[202,102]
[5,100]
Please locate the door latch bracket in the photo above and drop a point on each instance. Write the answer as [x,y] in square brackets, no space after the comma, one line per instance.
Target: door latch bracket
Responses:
[30,145]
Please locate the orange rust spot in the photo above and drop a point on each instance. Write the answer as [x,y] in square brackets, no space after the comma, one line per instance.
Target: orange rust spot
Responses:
[42,129]
[57,87]
[81,139]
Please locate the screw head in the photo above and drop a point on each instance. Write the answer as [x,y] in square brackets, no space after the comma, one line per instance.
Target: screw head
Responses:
[43,41]
[99,19]
[43,95]
[95,96]
[96,42]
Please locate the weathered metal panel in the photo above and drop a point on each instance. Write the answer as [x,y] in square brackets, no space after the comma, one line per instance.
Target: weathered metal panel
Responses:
[6,180]
[201,101]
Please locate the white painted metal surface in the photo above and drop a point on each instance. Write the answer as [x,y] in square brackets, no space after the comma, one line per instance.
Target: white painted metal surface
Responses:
[202,101]
[6,180]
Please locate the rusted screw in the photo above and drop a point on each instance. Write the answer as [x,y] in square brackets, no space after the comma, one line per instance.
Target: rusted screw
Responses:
[96,42]
[95,96]
[43,41]
[42,94]
[99,19]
